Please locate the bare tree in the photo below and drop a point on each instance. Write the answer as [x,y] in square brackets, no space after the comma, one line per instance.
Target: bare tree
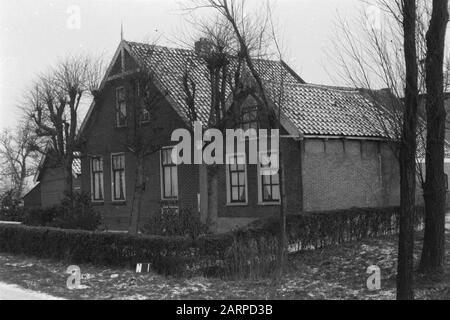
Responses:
[18,156]
[433,252]
[388,55]
[405,269]
[53,104]
[142,140]
[225,77]
[253,36]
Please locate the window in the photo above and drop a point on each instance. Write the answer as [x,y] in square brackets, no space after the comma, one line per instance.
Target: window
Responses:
[249,117]
[268,184]
[118,177]
[121,108]
[236,180]
[169,175]
[145,115]
[97,178]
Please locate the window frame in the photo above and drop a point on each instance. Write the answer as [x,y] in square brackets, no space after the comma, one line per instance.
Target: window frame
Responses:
[117,109]
[261,185]
[228,179]
[91,159]
[124,177]
[141,116]
[162,176]
[247,110]
[446,181]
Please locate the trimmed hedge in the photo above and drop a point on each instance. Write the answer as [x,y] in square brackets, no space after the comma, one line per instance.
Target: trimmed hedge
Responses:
[249,252]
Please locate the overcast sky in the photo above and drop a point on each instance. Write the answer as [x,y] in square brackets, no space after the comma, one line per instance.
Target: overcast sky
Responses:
[35,33]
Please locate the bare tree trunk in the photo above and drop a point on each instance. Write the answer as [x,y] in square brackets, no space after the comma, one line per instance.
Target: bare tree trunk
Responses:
[139,189]
[68,176]
[212,213]
[405,268]
[282,242]
[433,252]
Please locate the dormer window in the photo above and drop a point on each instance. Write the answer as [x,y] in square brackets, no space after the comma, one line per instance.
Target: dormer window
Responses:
[121,108]
[249,117]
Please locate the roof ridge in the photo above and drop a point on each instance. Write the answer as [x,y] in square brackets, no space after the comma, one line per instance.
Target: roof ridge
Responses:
[328,87]
[160,46]
[192,51]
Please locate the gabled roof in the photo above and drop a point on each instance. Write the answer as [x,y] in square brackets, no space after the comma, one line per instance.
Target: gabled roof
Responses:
[306,109]
[76,165]
[331,111]
[170,64]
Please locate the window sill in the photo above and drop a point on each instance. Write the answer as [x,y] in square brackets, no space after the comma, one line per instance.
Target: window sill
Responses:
[269,204]
[237,204]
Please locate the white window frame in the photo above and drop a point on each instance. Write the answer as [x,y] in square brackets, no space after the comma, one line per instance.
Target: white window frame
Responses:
[228,182]
[262,202]
[161,175]
[124,178]
[92,178]
[117,107]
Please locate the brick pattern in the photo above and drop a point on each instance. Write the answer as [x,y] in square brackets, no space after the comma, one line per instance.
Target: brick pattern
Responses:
[103,138]
[341,174]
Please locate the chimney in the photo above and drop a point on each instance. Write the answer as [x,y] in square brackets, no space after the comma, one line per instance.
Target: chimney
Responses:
[203,47]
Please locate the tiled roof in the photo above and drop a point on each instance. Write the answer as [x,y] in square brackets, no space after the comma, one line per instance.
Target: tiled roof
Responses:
[313,109]
[325,110]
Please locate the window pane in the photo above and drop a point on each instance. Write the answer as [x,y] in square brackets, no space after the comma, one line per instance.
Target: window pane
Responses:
[242,178]
[96,186]
[116,185]
[174,182]
[100,188]
[266,193]
[122,184]
[266,180]
[276,193]
[276,179]
[234,179]
[234,194]
[121,94]
[241,193]
[167,184]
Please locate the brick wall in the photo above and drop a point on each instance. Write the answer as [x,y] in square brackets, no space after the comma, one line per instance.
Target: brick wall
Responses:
[231,216]
[336,173]
[341,174]
[102,138]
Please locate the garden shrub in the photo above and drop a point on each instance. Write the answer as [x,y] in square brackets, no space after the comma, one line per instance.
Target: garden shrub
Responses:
[175,222]
[247,252]
[10,207]
[75,212]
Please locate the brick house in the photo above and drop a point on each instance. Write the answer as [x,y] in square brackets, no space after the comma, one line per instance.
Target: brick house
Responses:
[334,156]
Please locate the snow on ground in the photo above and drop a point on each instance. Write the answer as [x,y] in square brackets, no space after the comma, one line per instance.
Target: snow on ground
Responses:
[13,292]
